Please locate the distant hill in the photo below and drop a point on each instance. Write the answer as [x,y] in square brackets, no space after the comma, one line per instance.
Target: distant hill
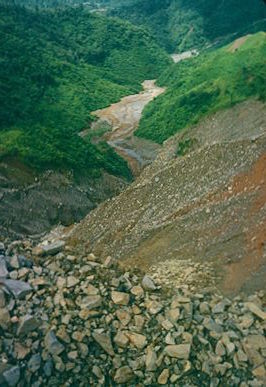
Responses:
[178,25]
[57,67]
[52,3]
[91,4]
[182,24]
[214,80]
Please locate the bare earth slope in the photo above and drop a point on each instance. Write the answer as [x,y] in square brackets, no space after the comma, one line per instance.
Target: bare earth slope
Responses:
[206,207]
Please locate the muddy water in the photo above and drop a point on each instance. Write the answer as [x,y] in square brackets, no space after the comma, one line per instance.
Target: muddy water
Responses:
[123,118]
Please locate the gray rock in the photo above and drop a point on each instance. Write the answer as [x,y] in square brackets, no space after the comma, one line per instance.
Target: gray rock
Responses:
[256,310]
[136,364]
[105,342]
[108,262]
[2,299]
[177,300]
[90,302]
[181,351]
[13,274]
[53,248]
[256,341]
[150,360]
[27,324]
[25,262]
[211,325]
[3,368]
[220,307]
[173,315]
[204,308]
[123,375]
[123,316]
[19,289]
[52,344]
[3,269]
[164,376]
[260,372]
[97,372]
[2,248]
[241,356]
[139,341]
[120,298]
[154,307]
[48,368]
[34,363]
[71,281]
[14,262]
[4,318]
[12,376]
[246,321]
[147,283]
[220,350]
[121,340]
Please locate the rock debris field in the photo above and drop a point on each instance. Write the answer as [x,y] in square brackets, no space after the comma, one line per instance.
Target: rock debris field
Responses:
[69,319]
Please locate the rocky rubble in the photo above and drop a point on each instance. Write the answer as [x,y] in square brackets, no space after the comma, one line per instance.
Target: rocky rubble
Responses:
[183,272]
[203,205]
[73,320]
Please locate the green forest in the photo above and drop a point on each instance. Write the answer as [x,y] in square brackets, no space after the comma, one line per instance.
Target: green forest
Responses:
[56,3]
[214,80]
[179,25]
[56,67]
[61,61]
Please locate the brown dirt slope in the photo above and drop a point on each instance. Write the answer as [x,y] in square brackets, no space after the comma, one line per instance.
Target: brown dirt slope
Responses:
[207,206]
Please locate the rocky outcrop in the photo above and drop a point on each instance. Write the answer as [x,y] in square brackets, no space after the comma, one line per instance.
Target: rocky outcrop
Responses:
[89,322]
[32,203]
[202,202]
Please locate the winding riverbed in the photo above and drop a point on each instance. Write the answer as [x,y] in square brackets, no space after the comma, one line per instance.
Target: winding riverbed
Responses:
[123,118]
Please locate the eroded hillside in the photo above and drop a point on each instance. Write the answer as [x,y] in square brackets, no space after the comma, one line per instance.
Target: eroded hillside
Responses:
[202,200]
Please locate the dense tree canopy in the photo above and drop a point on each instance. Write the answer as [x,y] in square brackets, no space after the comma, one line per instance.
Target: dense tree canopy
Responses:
[182,24]
[58,66]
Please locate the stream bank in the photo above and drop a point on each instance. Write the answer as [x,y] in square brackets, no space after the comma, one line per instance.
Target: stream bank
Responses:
[123,119]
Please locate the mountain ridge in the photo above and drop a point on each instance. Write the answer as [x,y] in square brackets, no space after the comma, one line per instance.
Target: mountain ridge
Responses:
[180,25]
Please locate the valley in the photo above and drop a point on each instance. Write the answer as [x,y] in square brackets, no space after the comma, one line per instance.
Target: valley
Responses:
[132,193]
[123,118]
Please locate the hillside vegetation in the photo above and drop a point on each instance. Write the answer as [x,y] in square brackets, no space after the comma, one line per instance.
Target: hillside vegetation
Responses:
[182,24]
[56,3]
[199,86]
[57,67]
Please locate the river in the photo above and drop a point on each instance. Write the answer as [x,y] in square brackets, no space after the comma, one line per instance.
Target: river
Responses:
[123,118]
